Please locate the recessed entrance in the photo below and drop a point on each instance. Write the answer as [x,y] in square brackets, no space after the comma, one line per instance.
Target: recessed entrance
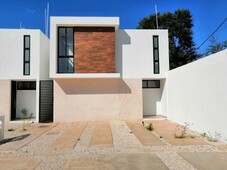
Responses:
[23,96]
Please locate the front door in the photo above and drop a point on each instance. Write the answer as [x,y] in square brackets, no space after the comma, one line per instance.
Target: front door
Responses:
[46,101]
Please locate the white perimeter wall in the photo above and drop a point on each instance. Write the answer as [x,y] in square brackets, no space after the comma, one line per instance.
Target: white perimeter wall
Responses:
[134,53]
[26,99]
[197,94]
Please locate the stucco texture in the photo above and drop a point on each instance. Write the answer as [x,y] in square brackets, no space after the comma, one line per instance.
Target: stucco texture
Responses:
[5,88]
[97,99]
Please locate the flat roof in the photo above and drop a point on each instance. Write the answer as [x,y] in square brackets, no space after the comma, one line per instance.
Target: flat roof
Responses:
[85,21]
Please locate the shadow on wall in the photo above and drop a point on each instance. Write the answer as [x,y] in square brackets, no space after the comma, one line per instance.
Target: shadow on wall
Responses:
[122,39]
[93,86]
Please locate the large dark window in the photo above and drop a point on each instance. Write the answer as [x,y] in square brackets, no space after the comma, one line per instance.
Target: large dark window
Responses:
[26,85]
[65,50]
[151,84]
[27,50]
[156,54]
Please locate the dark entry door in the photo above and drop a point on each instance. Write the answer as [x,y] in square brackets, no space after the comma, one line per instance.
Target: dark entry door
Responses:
[46,101]
[13,99]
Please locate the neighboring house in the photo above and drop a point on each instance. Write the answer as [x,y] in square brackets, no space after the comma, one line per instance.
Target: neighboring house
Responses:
[24,65]
[101,72]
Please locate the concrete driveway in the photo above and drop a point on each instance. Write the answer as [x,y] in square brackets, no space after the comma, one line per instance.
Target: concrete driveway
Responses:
[107,145]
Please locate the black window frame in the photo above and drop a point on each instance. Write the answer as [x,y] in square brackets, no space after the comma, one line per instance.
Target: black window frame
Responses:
[64,56]
[154,58]
[27,62]
[30,85]
[147,87]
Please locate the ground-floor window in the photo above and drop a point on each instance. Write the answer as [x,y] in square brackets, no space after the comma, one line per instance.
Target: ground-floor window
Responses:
[151,84]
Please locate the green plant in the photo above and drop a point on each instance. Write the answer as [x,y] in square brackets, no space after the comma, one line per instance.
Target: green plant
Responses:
[10,129]
[150,127]
[216,137]
[24,113]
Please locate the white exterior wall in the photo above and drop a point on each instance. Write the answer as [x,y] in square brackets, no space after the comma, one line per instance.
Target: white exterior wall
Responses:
[44,57]
[151,101]
[155,100]
[5,99]
[134,53]
[12,55]
[197,94]
[26,99]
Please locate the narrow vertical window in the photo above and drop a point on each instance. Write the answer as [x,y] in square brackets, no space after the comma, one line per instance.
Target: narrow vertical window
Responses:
[27,54]
[156,54]
[65,50]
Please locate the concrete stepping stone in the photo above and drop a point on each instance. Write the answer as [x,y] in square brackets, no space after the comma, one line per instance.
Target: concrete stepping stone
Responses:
[26,137]
[18,163]
[116,162]
[206,160]
[143,135]
[102,135]
[70,137]
[167,129]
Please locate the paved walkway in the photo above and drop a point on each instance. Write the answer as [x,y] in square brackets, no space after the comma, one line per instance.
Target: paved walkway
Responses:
[143,135]
[70,137]
[108,145]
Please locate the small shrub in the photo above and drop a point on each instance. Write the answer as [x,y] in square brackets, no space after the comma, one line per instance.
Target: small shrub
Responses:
[150,127]
[217,136]
[24,113]
[10,129]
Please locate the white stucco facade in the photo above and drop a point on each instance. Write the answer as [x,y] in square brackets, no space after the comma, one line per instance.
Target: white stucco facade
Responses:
[12,67]
[134,53]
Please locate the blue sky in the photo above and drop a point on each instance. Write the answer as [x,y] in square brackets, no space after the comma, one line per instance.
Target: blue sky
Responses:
[207,14]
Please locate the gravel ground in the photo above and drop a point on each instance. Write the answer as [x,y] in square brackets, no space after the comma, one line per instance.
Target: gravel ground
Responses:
[123,139]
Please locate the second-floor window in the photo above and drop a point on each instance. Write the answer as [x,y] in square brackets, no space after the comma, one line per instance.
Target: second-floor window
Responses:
[65,50]
[26,55]
[156,54]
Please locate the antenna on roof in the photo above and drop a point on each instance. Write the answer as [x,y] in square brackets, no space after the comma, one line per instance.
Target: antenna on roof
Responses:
[156,13]
[45,22]
[47,19]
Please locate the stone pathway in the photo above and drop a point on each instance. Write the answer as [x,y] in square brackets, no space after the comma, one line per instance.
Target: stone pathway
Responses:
[207,161]
[116,162]
[26,137]
[102,135]
[112,145]
[70,137]
[143,135]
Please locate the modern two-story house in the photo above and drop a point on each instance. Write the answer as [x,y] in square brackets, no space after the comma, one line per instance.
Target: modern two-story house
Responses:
[92,70]
[101,72]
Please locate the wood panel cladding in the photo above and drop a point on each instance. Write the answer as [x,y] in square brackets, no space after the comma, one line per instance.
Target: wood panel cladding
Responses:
[94,50]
